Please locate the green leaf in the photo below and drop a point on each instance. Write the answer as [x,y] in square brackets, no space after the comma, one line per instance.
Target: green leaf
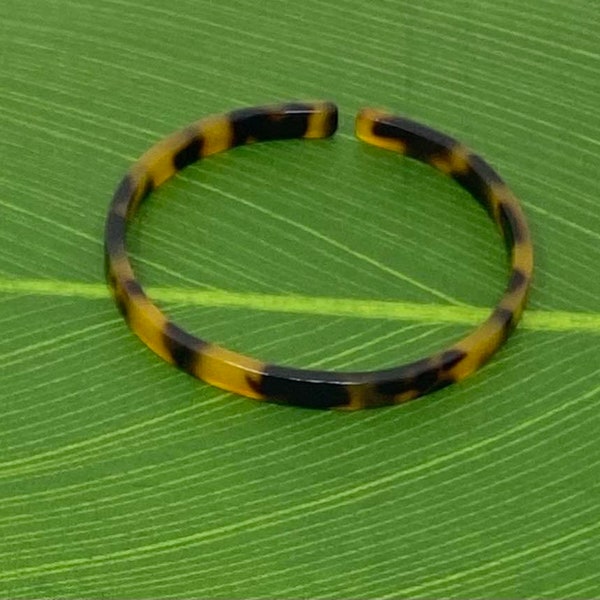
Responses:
[123,477]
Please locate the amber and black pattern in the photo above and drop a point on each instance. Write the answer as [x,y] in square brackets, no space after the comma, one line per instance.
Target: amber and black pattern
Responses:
[303,387]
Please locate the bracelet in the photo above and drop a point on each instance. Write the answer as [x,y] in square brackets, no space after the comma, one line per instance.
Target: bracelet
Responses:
[303,387]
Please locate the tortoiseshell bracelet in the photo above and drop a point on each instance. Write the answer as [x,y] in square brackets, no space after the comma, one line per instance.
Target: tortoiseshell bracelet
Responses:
[301,387]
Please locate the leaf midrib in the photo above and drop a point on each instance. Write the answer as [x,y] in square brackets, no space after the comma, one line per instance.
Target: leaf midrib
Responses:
[312,305]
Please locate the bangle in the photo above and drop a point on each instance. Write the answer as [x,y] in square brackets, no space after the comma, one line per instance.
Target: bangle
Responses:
[303,387]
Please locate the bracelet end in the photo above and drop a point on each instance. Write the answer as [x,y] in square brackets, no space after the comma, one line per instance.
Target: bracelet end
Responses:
[322,120]
[366,124]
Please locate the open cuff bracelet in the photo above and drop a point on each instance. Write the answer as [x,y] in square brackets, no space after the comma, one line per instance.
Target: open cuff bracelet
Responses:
[305,387]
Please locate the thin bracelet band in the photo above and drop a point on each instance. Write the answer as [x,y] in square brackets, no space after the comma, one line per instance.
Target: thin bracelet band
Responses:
[303,387]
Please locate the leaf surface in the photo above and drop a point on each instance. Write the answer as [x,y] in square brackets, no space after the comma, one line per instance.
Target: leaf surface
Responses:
[122,477]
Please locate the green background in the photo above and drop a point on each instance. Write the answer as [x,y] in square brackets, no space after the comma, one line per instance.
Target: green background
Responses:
[122,477]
